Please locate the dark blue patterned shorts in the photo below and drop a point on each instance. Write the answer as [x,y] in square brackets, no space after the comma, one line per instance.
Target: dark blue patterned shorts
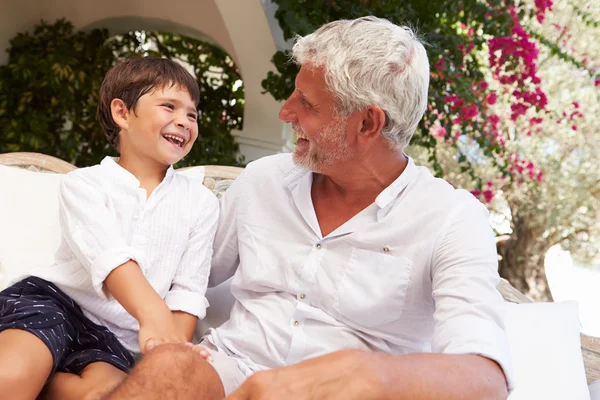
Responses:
[39,307]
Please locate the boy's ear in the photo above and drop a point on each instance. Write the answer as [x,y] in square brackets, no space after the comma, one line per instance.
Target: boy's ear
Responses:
[120,113]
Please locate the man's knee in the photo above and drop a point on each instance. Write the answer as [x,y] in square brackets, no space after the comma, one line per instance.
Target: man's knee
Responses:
[172,356]
[177,369]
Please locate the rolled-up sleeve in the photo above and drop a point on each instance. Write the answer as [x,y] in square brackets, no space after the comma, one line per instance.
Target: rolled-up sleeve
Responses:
[469,310]
[188,288]
[91,231]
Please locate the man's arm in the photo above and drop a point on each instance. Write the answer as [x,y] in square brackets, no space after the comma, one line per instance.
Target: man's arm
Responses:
[226,257]
[360,375]
[469,309]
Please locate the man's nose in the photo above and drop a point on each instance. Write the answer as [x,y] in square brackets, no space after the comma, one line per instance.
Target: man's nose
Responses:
[286,114]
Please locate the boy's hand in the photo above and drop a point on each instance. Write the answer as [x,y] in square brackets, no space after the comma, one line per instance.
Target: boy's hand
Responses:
[200,350]
[158,327]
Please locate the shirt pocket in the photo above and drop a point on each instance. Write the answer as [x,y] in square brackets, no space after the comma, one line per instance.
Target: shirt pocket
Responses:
[373,288]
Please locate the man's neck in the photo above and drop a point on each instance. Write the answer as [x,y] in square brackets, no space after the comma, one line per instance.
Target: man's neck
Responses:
[148,173]
[339,196]
[362,180]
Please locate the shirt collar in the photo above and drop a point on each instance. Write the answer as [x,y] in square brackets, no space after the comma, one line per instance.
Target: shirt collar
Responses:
[389,194]
[111,163]
[299,177]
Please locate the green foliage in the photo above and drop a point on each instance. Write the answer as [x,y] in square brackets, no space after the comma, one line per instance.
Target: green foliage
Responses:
[441,23]
[49,91]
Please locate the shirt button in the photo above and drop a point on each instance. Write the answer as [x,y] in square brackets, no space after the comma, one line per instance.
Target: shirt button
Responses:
[318,246]
[302,296]
[386,249]
[296,323]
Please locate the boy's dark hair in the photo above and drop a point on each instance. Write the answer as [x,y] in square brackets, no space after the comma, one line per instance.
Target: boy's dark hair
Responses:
[131,79]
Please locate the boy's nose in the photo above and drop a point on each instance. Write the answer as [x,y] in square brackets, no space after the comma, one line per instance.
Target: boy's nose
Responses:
[184,123]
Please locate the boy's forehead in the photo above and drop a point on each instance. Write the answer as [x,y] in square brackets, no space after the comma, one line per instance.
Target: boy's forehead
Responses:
[169,91]
[167,88]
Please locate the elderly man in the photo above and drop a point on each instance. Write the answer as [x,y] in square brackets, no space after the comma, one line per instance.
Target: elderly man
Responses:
[356,273]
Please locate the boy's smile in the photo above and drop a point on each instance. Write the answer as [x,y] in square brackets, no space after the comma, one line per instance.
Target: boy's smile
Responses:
[162,127]
[175,139]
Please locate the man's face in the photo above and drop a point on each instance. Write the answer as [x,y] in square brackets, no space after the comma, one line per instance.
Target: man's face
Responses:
[163,127]
[321,134]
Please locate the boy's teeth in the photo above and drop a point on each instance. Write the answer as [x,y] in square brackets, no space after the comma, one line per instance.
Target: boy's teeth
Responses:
[180,140]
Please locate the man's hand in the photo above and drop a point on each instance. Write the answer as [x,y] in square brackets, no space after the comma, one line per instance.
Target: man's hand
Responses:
[345,375]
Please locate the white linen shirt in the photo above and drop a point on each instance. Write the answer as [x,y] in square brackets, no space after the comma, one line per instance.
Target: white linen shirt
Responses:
[414,272]
[107,219]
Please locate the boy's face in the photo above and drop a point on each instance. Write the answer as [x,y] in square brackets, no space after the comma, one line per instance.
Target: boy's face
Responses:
[163,127]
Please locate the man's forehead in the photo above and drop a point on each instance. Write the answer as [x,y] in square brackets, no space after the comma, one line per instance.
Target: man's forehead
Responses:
[310,78]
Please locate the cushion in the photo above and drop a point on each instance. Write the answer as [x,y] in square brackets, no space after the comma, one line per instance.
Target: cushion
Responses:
[546,351]
[30,232]
[595,390]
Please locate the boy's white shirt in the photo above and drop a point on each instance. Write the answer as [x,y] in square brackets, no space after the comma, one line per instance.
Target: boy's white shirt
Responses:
[106,219]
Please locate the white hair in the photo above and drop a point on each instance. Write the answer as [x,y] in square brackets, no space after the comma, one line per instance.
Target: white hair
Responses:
[371,61]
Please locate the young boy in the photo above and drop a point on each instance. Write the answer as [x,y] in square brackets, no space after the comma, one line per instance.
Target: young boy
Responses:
[132,269]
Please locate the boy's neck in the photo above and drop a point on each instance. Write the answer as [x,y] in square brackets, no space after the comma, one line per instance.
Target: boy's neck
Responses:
[149,174]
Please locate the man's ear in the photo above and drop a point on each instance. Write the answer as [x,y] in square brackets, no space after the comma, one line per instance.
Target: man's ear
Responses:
[120,113]
[373,121]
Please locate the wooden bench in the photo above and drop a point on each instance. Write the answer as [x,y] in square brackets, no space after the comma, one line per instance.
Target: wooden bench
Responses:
[218,178]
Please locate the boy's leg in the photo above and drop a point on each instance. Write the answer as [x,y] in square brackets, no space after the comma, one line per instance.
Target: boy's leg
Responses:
[96,380]
[25,364]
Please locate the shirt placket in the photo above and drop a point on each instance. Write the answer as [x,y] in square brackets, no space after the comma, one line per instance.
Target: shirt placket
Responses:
[139,238]
[303,301]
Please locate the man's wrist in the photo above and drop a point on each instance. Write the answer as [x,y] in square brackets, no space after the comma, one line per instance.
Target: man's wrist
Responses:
[376,373]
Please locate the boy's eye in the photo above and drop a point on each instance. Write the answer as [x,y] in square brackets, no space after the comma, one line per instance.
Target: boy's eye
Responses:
[169,106]
[193,116]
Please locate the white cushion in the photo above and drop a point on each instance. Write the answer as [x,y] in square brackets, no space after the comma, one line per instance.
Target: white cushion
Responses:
[595,390]
[197,173]
[546,351]
[29,227]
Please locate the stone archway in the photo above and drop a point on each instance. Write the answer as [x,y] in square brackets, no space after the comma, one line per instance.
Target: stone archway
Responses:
[241,28]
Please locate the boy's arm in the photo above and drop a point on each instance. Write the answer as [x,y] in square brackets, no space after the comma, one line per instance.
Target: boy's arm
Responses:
[188,288]
[93,235]
[129,286]
[91,229]
[185,323]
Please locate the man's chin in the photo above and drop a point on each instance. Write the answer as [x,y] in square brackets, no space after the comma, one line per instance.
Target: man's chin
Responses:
[301,160]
